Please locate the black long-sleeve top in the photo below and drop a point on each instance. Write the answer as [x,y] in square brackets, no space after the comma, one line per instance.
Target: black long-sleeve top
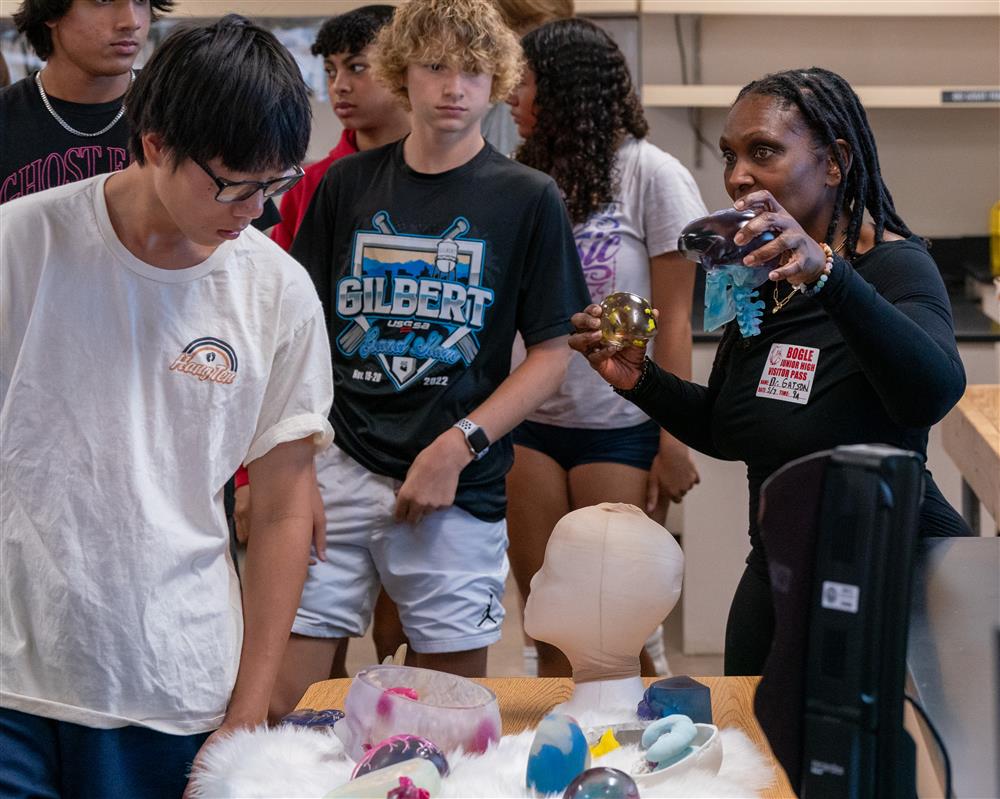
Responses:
[887,368]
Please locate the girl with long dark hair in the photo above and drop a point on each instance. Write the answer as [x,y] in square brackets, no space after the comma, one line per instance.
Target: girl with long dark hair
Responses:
[583,124]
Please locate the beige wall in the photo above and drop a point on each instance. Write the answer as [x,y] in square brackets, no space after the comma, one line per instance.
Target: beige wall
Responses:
[942,165]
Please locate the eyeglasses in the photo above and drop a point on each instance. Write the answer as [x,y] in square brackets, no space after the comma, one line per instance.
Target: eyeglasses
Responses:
[236,191]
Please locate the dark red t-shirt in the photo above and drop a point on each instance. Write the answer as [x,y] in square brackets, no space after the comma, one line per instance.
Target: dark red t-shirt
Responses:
[296,201]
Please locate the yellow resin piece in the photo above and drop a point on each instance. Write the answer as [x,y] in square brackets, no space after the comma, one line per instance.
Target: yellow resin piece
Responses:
[608,743]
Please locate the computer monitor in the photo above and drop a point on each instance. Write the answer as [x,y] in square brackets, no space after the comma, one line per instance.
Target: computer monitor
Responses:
[839,529]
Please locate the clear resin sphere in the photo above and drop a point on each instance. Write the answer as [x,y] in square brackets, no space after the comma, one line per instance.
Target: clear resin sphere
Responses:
[602,783]
[628,319]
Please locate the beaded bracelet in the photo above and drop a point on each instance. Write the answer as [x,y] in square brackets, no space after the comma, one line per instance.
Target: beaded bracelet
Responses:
[817,287]
[647,364]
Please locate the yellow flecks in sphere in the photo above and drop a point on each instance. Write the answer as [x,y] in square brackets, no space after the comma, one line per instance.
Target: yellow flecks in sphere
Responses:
[627,319]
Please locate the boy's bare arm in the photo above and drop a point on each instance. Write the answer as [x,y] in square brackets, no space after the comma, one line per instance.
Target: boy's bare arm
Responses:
[275,568]
[433,477]
[277,553]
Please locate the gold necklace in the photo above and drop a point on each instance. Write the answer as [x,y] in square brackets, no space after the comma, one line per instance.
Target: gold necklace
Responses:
[781,303]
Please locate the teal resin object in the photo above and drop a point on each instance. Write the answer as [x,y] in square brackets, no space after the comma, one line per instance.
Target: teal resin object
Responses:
[729,285]
[668,740]
[730,293]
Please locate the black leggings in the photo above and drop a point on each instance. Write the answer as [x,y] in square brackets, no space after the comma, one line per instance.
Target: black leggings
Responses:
[750,626]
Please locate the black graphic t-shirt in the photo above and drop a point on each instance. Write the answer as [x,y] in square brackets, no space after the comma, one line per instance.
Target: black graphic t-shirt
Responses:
[37,153]
[425,280]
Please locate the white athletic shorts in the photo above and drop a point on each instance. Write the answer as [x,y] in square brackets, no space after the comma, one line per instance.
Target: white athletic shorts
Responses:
[446,574]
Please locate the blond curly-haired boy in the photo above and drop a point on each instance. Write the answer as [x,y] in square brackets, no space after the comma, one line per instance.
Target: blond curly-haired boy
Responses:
[430,254]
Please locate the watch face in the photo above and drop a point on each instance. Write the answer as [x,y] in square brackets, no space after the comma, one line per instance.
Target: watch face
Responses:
[478,441]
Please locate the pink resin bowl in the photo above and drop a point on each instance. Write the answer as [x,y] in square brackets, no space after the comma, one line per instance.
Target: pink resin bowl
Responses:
[453,712]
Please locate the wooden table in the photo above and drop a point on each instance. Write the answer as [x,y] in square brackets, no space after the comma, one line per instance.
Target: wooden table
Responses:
[971,436]
[525,700]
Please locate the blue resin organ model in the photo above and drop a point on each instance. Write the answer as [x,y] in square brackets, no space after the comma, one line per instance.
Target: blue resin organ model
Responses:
[729,285]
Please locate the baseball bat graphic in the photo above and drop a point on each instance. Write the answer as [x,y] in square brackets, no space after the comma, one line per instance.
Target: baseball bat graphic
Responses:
[352,336]
[447,248]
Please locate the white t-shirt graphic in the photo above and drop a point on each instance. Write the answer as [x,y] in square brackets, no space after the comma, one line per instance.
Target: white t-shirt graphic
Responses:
[129,394]
[656,197]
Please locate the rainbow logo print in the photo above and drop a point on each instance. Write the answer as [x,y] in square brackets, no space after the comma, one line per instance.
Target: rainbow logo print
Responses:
[207,359]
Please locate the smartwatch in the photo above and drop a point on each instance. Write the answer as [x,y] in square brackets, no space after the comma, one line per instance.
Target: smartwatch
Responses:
[475,437]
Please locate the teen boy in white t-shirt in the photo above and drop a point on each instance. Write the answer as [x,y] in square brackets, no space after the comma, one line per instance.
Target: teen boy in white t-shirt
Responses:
[429,255]
[153,341]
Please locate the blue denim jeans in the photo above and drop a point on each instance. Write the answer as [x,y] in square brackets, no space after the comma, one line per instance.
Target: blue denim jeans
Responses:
[41,757]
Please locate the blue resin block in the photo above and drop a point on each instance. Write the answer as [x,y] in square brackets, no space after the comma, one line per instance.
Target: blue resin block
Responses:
[677,695]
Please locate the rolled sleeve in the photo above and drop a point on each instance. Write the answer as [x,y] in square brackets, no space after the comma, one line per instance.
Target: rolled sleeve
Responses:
[299,393]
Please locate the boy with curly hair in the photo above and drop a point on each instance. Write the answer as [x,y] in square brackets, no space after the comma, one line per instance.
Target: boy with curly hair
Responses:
[429,255]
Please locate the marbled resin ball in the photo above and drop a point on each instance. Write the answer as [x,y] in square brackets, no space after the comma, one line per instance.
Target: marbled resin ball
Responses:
[397,749]
[602,783]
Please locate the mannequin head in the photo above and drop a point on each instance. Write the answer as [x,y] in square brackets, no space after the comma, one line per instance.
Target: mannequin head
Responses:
[610,576]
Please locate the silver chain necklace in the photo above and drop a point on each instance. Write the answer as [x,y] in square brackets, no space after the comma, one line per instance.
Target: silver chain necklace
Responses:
[65,124]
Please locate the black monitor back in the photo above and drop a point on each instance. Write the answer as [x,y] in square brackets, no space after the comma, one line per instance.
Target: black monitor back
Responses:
[839,529]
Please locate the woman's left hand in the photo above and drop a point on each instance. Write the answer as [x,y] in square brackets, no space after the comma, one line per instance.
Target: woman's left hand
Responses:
[802,259]
[671,476]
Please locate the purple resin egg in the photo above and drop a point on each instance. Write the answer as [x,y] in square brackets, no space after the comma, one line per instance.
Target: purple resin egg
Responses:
[709,240]
[307,717]
[397,749]
[602,783]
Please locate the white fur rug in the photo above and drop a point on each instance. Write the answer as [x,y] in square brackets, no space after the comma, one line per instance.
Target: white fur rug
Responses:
[296,762]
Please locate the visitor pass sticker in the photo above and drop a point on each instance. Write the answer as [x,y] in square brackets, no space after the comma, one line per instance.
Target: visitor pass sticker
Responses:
[840,596]
[789,373]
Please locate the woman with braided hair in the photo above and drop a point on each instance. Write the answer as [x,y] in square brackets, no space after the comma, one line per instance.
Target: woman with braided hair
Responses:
[856,300]
[628,200]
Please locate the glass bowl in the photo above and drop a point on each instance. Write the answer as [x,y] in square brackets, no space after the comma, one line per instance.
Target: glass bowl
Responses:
[453,712]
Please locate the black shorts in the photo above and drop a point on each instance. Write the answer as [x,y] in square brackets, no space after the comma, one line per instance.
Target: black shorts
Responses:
[573,446]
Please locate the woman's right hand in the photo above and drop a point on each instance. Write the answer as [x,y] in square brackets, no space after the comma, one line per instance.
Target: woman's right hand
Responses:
[620,366]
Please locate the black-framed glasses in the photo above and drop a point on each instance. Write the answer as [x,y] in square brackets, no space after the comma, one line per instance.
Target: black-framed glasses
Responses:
[236,191]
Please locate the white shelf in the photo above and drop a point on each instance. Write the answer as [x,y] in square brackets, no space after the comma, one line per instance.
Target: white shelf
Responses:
[617,7]
[819,8]
[265,8]
[721,96]
[828,8]
[330,8]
